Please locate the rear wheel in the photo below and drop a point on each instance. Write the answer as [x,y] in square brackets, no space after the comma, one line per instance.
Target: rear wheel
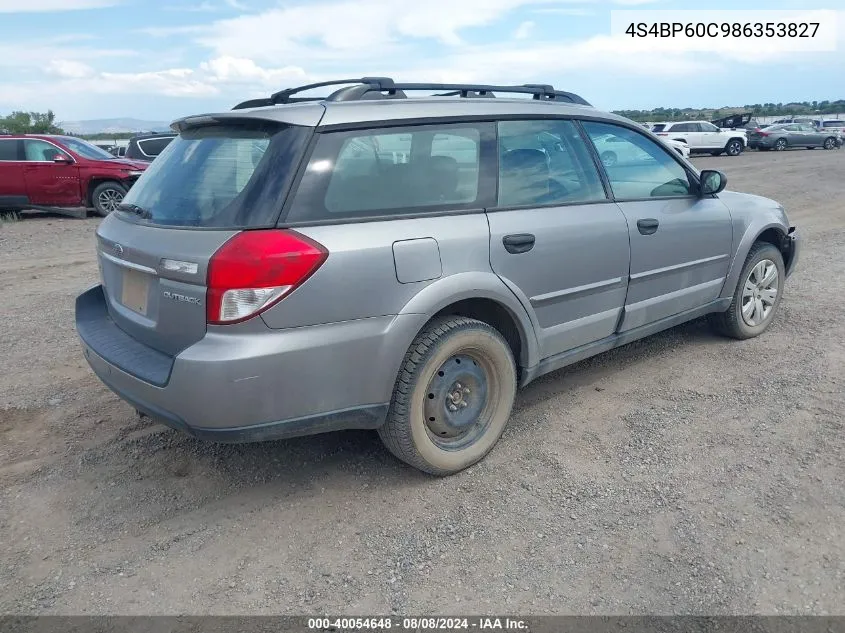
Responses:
[757,295]
[453,396]
[780,144]
[829,143]
[106,196]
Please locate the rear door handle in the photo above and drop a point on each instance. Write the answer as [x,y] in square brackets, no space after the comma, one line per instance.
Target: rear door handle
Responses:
[519,243]
[647,226]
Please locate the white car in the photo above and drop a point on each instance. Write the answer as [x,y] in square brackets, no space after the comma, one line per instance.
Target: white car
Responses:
[703,136]
[616,151]
[679,146]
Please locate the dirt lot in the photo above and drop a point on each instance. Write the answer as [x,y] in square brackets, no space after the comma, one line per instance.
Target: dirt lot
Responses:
[681,474]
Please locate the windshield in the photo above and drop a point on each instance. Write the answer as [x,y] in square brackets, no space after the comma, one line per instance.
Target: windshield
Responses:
[86,149]
[222,176]
[659,127]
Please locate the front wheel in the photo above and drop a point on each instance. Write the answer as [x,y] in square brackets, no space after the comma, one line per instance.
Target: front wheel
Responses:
[733,148]
[608,158]
[106,197]
[453,396]
[757,295]
[829,143]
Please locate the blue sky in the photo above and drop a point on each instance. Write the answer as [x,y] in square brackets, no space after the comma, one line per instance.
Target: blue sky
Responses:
[158,60]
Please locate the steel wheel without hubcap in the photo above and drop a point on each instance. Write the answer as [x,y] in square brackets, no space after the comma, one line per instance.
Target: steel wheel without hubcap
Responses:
[456,407]
[760,293]
[453,396]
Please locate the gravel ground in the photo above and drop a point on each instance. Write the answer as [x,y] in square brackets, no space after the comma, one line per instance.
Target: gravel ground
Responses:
[681,474]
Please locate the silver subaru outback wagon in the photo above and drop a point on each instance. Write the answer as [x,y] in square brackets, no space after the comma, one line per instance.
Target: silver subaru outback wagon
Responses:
[373,260]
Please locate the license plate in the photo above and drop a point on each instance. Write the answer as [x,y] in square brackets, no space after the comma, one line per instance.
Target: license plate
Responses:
[135,286]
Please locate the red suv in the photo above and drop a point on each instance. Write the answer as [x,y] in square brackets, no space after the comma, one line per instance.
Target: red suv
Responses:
[40,171]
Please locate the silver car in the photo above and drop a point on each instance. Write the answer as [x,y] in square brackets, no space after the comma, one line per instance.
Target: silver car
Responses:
[790,135]
[371,260]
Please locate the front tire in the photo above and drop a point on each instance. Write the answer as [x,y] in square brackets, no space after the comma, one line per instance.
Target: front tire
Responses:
[829,143]
[106,196]
[453,396]
[608,158]
[734,147]
[757,295]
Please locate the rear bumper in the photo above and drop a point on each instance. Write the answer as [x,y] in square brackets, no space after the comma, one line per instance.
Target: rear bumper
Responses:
[256,385]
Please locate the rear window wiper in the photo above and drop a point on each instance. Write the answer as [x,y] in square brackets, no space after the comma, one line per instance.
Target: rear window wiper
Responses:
[134,208]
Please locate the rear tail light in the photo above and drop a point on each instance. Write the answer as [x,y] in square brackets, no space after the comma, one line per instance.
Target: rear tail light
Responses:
[762,133]
[254,270]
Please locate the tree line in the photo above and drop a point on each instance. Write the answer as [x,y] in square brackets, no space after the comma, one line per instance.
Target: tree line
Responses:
[759,109]
[30,123]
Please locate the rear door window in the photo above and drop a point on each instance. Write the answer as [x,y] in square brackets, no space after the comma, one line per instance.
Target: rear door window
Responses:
[9,149]
[395,171]
[221,176]
[545,162]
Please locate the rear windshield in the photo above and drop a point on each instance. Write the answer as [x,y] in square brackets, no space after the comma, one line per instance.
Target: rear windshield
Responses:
[659,127]
[154,146]
[222,176]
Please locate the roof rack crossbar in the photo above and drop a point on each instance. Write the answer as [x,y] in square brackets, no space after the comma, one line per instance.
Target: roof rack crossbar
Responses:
[538,91]
[366,88]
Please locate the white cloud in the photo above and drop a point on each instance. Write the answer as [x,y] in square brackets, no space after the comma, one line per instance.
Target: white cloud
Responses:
[69,69]
[523,31]
[565,11]
[237,70]
[36,6]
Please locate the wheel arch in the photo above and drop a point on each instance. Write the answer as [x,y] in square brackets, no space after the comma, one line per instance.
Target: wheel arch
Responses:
[485,297]
[773,233]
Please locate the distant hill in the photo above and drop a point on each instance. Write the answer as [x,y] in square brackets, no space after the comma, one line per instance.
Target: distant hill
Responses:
[114,126]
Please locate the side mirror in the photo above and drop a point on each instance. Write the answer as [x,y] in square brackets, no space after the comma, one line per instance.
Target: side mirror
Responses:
[64,159]
[712,182]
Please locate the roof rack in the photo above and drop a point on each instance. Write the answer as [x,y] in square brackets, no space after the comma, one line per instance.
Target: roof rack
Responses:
[367,88]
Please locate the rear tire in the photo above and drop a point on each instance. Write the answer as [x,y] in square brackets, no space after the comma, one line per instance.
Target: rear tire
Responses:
[106,196]
[453,396]
[757,297]
[780,144]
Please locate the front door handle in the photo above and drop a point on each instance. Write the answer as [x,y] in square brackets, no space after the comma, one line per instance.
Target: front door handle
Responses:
[647,226]
[519,243]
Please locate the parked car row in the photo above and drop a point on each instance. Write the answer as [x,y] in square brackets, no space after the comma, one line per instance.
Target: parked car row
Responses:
[53,171]
[70,174]
[703,136]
